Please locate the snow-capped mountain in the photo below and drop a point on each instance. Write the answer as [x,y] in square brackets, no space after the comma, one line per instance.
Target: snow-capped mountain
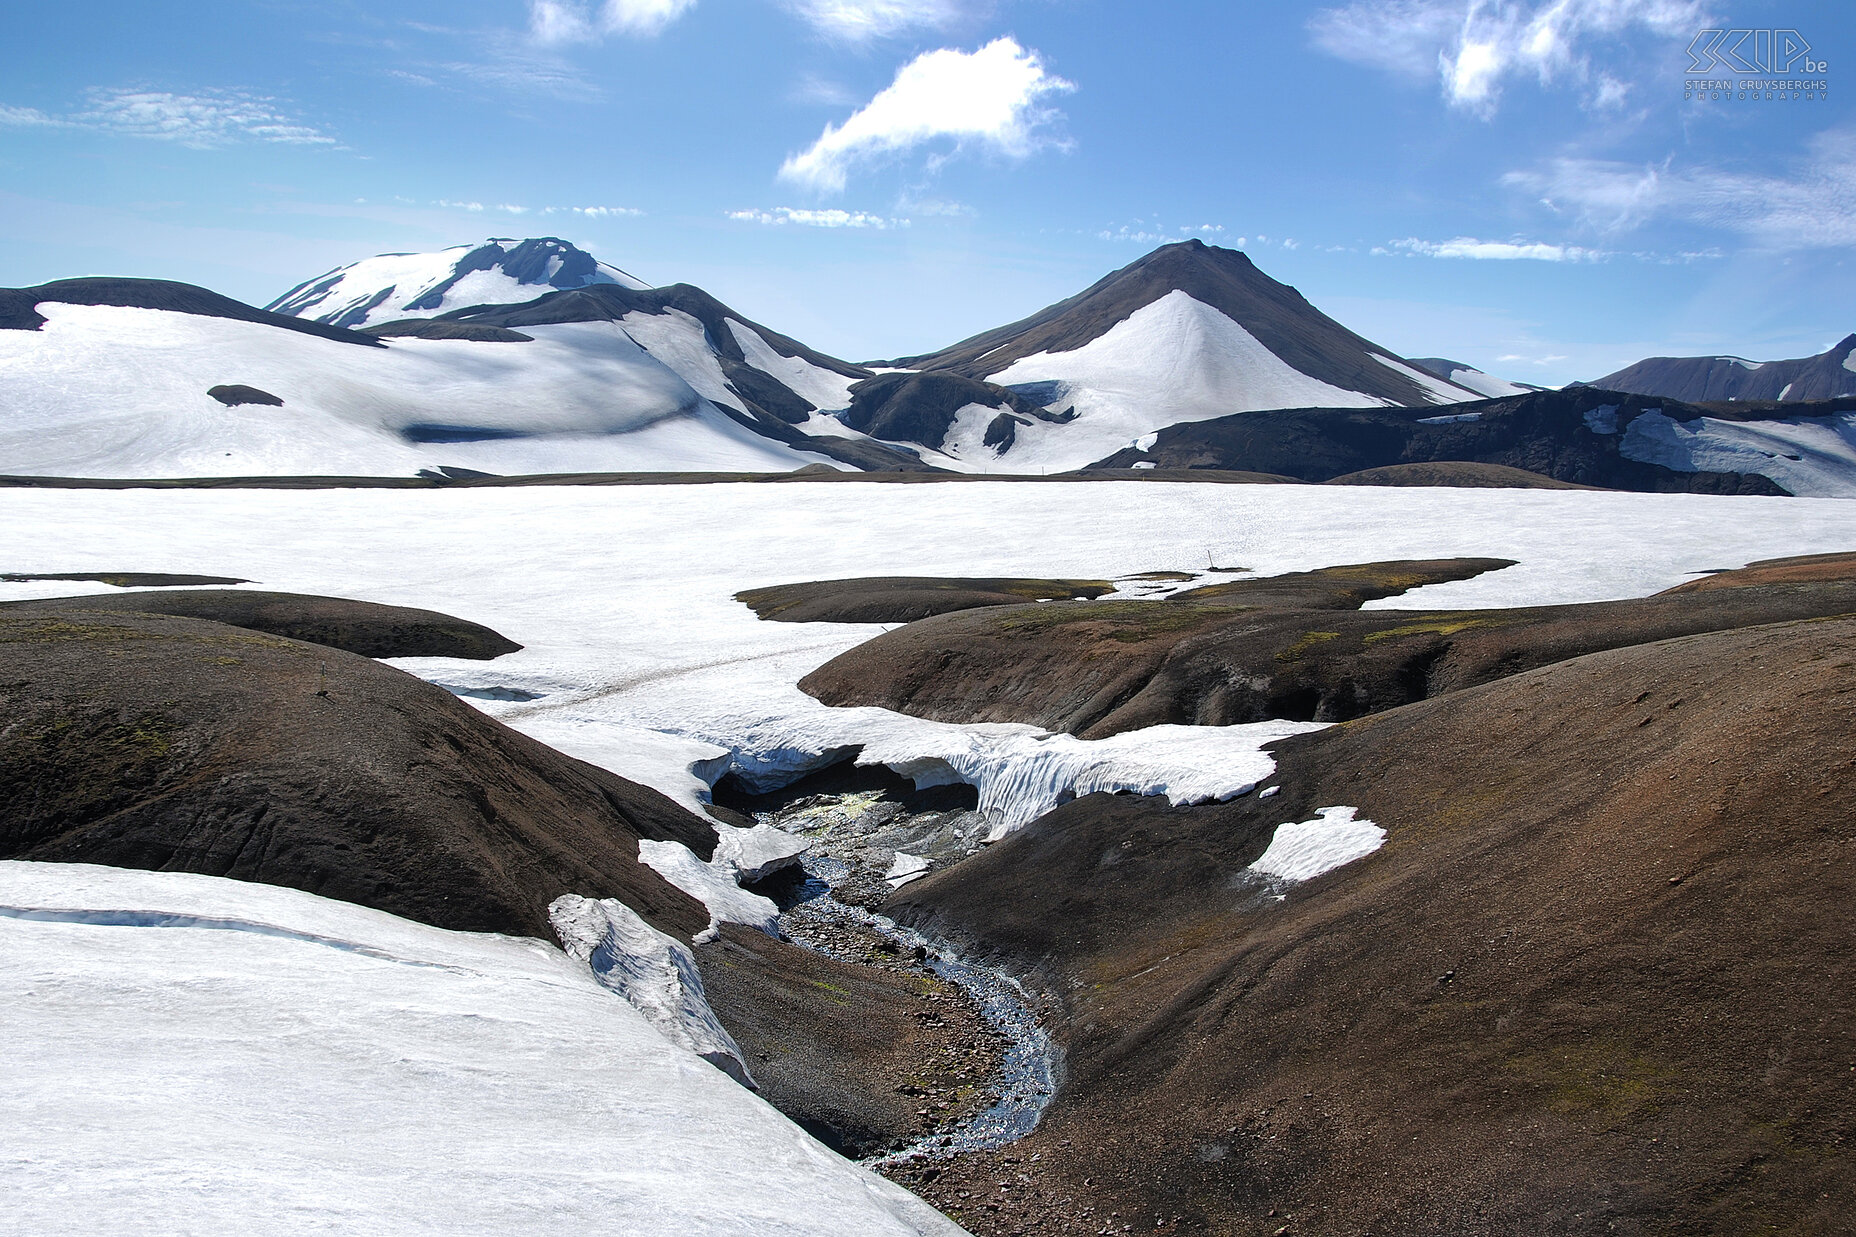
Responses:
[1702,378]
[392,286]
[1187,333]
[1458,374]
[141,378]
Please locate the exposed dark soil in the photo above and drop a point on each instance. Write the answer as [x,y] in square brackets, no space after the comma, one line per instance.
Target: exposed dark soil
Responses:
[903,599]
[126,579]
[363,627]
[1099,669]
[236,394]
[1456,474]
[863,1046]
[1600,978]
[435,328]
[176,744]
[17,310]
[1542,432]
[888,473]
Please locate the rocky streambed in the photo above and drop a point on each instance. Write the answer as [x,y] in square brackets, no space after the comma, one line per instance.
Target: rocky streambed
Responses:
[882,1041]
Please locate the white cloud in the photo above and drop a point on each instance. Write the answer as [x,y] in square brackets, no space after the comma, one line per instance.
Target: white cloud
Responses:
[511,208]
[1497,251]
[1813,207]
[27,118]
[594,212]
[216,118]
[859,21]
[1145,232]
[1472,46]
[579,21]
[819,218]
[208,119]
[987,98]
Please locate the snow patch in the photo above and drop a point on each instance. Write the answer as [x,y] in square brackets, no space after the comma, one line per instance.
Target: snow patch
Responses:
[906,868]
[1602,419]
[1807,456]
[1486,385]
[427,1084]
[818,386]
[655,972]
[715,884]
[1450,420]
[1304,850]
[1435,389]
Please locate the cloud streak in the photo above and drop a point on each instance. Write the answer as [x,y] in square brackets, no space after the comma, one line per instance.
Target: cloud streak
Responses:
[990,99]
[780,215]
[1473,46]
[200,121]
[578,21]
[1814,207]
[861,21]
[1494,251]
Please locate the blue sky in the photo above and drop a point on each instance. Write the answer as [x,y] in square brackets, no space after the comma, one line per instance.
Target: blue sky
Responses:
[1518,184]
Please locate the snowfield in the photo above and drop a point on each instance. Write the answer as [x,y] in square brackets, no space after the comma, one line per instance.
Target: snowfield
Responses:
[102,391]
[199,1055]
[638,658]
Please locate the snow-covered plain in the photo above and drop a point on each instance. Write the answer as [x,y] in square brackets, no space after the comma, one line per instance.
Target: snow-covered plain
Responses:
[119,392]
[639,659]
[187,1054]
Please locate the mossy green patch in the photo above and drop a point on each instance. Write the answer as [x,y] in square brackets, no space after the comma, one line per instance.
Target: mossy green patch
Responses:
[1306,641]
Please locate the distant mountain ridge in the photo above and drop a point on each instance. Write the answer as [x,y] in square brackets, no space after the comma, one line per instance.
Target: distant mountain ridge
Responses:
[1827,375]
[392,286]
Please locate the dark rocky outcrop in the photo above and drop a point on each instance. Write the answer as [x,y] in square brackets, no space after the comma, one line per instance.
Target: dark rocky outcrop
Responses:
[1598,979]
[126,579]
[17,310]
[363,627]
[1546,433]
[177,744]
[903,599]
[921,407]
[234,394]
[438,328]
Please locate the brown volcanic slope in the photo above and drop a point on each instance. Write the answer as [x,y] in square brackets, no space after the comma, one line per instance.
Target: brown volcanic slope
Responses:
[903,599]
[1224,279]
[1255,649]
[1600,978]
[363,627]
[176,744]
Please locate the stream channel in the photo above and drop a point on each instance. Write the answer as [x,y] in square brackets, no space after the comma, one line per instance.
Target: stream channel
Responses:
[859,822]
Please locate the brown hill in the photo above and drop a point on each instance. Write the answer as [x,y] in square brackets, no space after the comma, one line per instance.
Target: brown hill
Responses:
[1599,979]
[1277,647]
[177,744]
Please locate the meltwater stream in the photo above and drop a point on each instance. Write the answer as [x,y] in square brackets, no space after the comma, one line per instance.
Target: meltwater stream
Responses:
[1028,1073]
